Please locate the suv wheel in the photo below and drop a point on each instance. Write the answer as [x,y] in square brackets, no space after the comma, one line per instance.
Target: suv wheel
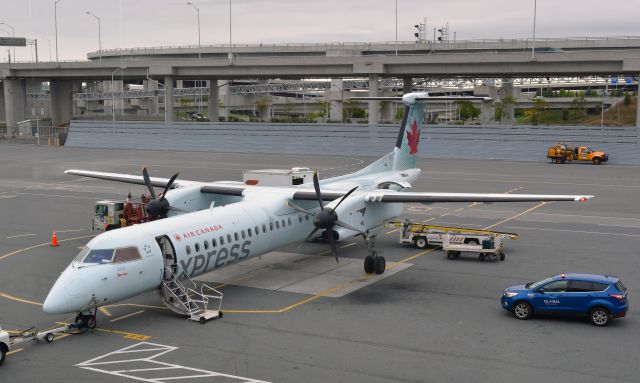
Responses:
[522,310]
[599,316]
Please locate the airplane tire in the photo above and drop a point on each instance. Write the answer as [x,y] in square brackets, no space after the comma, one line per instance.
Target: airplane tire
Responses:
[203,320]
[380,265]
[91,322]
[3,353]
[368,264]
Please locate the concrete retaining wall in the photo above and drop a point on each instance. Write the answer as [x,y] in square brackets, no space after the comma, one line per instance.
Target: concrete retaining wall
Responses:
[526,143]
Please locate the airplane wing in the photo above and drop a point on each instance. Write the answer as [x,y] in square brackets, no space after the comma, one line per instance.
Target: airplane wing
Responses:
[427,198]
[129,178]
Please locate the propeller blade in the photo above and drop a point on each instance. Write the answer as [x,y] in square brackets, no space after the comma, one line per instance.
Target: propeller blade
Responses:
[344,197]
[347,226]
[298,208]
[147,181]
[332,241]
[311,235]
[171,180]
[316,185]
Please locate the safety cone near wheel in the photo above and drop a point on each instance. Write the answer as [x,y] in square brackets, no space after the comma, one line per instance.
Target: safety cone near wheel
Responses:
[54,239]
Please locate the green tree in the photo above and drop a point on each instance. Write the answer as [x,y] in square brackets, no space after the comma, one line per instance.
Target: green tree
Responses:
[578,108]
[261,105]
[467,110]
[537,113]
[627,100]
[325,110]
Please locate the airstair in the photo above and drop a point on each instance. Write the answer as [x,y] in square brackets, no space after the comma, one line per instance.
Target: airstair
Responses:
[182,296]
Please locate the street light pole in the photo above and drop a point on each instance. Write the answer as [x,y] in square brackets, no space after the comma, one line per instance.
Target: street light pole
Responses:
[13,34]
[198,12]
[113,94]
[99,33]
[55,18]
[8,49]
[396,27]
[533,42]
[230,41]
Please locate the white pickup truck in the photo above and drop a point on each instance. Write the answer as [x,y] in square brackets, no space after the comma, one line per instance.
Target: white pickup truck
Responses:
[5,344]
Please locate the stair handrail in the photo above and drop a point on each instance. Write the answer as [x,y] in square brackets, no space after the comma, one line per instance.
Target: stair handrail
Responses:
[207,291]
[181,287]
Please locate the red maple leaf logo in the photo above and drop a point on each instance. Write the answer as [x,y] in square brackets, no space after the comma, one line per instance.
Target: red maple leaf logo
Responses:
[413,137]
[177,237]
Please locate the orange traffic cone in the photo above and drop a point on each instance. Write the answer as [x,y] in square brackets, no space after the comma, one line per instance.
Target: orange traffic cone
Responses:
[54,239]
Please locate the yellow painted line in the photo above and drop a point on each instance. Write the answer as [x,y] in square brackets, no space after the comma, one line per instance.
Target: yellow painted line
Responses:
[105,311]
[127,335]
[348,244]
[21,235]
[428,220]
[41,245]
[127,316]
[444,215]
[138,305]
[515,216]
[11,297]
[14,351]
[420,254]
[392,231]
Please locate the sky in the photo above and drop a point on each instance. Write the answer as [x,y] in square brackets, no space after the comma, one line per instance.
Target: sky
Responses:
[144,23]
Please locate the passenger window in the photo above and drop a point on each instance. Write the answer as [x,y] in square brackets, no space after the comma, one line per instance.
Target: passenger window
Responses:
[580,286]
[264,228]
[249,232]
[229,238]
[289,220]
[599,286]
[197,247]
[284,223]
[221,241]
[300,218]
[206,244]
[213,242]
[99,256]
[235,235]
[242,234]
[277,225]
[555,287]
[126,254]
[270,226]
[306,217]
[257,231]
[188,249]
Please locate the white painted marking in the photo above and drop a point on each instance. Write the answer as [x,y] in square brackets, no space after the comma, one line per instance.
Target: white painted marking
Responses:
[69,230]
[572,231]
[21,235]
[185,372]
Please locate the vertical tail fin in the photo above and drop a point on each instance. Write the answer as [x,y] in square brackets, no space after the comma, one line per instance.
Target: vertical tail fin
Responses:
[407,143]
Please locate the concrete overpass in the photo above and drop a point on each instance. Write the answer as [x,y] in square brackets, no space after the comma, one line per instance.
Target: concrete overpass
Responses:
[488,60]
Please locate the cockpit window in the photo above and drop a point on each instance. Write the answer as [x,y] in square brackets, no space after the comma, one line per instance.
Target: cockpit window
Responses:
[126,254]
[83,253]
[99,256]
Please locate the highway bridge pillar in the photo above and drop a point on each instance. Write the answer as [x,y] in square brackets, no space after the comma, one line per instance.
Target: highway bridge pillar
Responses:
[151,103]
[169,114]
[336,97]
[15,100]
[3,115]
[638,113]
[386,114]
[61,101]
[507,100]
[407,85]
[214,99]
[374,106]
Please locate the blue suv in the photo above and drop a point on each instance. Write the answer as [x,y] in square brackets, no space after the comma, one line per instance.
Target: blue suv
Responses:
[601,297]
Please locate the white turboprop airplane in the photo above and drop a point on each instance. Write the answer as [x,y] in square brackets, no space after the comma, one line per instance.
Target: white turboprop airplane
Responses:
[209,225]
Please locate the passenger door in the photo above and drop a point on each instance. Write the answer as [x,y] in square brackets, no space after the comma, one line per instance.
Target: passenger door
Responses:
[551,297]
[580,294]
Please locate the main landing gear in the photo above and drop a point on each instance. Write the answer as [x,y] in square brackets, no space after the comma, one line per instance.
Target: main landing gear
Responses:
[373,262]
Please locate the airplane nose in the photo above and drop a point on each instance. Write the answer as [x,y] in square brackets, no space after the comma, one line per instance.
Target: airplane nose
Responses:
[57,302]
